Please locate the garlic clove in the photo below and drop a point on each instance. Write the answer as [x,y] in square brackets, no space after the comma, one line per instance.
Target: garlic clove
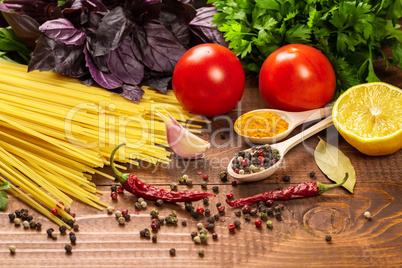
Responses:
[182,142]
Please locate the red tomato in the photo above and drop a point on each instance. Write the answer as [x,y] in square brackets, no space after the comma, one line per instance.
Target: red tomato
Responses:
[208,80]
[297,77]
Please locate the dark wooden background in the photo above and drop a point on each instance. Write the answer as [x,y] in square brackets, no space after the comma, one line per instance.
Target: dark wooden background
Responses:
[296,241]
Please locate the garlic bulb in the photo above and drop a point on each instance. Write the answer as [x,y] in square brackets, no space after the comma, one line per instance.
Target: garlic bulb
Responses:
[182,142]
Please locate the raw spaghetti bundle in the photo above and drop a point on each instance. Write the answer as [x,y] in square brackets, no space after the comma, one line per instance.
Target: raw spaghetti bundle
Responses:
[56,132]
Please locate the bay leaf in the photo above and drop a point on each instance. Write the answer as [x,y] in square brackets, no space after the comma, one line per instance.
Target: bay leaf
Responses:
[334,164]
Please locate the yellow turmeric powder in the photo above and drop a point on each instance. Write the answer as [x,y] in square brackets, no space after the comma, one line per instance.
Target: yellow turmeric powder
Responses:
[261,125]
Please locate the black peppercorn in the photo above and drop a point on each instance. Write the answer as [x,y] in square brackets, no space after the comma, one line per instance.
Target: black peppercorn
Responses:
[184,223]
[286,178]
[218,204]
[312,174]
[70,222]
[73,239]
[215,189]
[193,234]
[196,215]
[278,216]
[63,229]
[211,219]
[216,217]
[211,227]
[205,200]
[127,217]
[207,212]
[154,238]
[328,238]
[49,232]
[76,227]
[237,223]
[113,188]
[172,252]
[11,216]
[38,226]
[68,248]
[247,217]
[159,202]
[17,213]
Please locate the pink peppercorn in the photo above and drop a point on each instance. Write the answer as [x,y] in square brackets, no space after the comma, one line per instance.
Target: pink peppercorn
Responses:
[54,211]
[269,203]
[205,177]
[221,208]
[229,195]
[232,227]
[246,209]
[124,212]
[199,172]
[200,210]
[258,223]
[237,170]
[243,162]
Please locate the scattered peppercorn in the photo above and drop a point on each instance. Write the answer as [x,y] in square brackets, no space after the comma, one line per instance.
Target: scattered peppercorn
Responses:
[204,185]
[197,239]
[63,229]
[17,221]
[218,204]
[124,212]
[154,213]
[312,174]
[367,214]
[121,220]
[118,214]
[229,195]
[137,205]
[211,227]
[140,199]
[216,217]
[237,223]
[113,195]
[201,252]
[76,227]
[207,212]
[70,222]
[221,210]
[159,202]
[269,203]
[54,235]
[237,213]
[215,189]
[223,176]
[143,204]
[193,234]
[232,227]
[258,223]
[203,238]
[246,209]
[113,188]
[253,212]
[196,215]
[189,182]
[32,224]
[127,217]
[270,224]
[173,186]
[49,232]
[234,183]
[154,238]
[247,217]
[12,249]
[263,215]
[205,177]
[172,252]
[25,224]
[11,216]
[110,209]
[214,236]
[200,226]
[286,178]
[205,200]
[73,239]
[38,226]
[68,248]
[211,219]
[328,238]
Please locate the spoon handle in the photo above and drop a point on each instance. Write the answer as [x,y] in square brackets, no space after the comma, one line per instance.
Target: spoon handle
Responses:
[301,117]
[285,146]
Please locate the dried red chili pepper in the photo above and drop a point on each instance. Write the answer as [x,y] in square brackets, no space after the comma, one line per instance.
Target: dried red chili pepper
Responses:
[140,189]
[306,189]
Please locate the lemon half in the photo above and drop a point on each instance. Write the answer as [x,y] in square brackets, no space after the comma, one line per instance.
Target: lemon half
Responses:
[369,117]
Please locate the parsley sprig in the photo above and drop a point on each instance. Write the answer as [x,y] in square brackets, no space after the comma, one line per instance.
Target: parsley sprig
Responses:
[3,196]
[350,33]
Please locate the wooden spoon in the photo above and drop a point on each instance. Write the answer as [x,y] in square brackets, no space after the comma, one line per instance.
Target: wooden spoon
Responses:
[293,118]
[283,148]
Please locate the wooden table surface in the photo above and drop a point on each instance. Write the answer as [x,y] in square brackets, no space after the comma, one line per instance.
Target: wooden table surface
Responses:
[296,241]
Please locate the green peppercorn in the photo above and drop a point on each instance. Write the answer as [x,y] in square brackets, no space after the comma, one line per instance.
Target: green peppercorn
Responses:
[172,252]
[182,180]
[263,215]
[154,213]
[203,231]
[223,176]
[201,252]
[189,182]
[173,186]
[203,238]
[68,248]
[270,224]
[197,239]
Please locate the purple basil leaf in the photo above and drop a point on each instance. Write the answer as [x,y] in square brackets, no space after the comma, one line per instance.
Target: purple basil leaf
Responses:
[163,50]
[159,81]
[132,92]
[63,31]
[105,80]
[58,57]
[101,61]
[182,9]
[123,64]
[115,26]
[202,29]
[25,27]
[140,43]
[177,25]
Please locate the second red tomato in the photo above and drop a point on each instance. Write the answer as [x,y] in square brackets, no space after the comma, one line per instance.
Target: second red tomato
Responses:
[297,77]
[208,80]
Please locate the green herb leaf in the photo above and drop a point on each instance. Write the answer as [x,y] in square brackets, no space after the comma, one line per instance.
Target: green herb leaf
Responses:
[3,196]
[334,164]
